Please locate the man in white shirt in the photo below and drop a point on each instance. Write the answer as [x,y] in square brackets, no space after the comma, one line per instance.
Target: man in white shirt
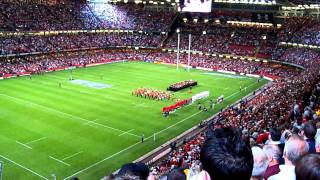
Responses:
[294,148]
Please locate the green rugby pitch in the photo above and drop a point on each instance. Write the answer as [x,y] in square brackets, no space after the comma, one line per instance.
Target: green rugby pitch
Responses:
[85,132]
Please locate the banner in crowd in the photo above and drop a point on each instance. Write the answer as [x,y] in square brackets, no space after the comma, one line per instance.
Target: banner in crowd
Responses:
[201,95]
[178,104]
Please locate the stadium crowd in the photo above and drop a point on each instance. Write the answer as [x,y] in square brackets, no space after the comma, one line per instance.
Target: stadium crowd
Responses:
[18,16]
[275,135]
[63,42]
[42,63]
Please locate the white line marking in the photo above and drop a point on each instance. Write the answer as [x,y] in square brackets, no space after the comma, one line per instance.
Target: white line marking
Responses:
[115,129]
[86,123]
[36,140]
[129,147]
[23,167]
[65,114]
[143,105]
[22,144]
[126,132]
[60,161]
[68,157]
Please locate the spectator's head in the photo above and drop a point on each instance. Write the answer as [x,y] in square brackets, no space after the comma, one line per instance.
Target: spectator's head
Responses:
[294,148]
[226,155]
[176,174]
[309,130]
[125,177]
[273,152]
[307,167]
[134,169]
[275,134]
[260,163]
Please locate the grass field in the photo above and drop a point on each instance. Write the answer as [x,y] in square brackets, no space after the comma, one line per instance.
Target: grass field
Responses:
[86,132]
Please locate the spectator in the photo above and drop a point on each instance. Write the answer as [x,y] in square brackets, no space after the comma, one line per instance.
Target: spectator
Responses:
[176,174]
[309,132]
[274,155]
[260,163]
[274,138]
[139,170]
[294,148]
[226,155]
[308,167]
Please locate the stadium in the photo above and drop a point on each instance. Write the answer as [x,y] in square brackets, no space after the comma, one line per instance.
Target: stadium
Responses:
[160,89]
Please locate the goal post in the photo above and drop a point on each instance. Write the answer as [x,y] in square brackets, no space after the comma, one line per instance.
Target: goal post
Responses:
[178,49]
[189,52]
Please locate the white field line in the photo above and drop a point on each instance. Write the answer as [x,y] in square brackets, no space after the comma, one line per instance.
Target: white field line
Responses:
[143,105]
[64,114]
[126,132]
[72,155]
[22,144]
[23,167]
[129,147]
[86,123]
[115,129]
[36,140]
[60,161]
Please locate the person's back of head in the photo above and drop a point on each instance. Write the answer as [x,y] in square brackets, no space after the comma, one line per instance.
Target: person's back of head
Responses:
[126,176]
[309,130]
[308,167]
[135,169]
[226,155]
[260,163]
[275,134]
[176,174]
[294,148]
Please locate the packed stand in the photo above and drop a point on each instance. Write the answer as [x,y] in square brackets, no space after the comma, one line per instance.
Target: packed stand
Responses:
[62,42]
[224,39]
[301,30]
[304,2]
[300,56]
[19,16]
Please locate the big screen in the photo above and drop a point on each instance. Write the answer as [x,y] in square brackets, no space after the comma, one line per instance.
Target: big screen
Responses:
[196,5]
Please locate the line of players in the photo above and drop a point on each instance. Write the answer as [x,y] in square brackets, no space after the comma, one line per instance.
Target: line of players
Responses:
[152,94]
